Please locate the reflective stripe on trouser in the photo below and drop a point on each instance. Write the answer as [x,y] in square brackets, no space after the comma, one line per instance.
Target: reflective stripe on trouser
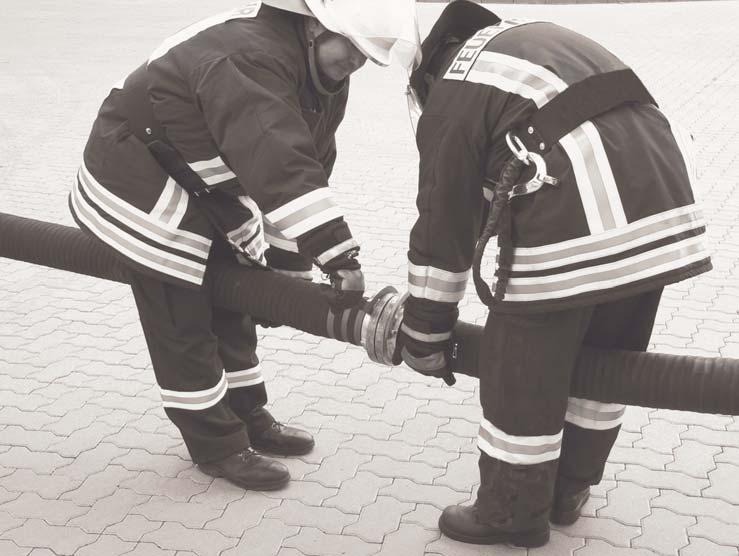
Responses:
[196,360]
[526,362]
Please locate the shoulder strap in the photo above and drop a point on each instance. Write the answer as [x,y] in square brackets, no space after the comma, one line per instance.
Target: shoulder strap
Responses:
[579,103]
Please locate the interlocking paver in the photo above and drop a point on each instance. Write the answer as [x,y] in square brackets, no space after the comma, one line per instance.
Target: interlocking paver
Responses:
[716,531]
[338,468]
[54,512]
[133,527]
[461,474]
[141,460]
[61,540]
[357,492]
[408,491]
[420,429]
[392,448]
[399,410]
[702,547]
[669,480]
[664,532]
[660,436]
[243,514]
[46,486]
[294,512]
[417,471]
[695,459]
[378,519]
[606,529]
[161,508]
[310,492]
[559,545]
[640,456]
[724,484]
[99,485]
[109,545]
[716,438]
[601,548]
[425,515]
[313,542]
[265,541]
[91,462]
[8,522]
[408,540]
[447,547]
[327,443]
[175,536]
[378,430]
[8,548]
[694,506]
[150,483]
[108,511]
[629,503]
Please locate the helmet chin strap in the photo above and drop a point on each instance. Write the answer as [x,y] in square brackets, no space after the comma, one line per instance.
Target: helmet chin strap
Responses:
[315,74]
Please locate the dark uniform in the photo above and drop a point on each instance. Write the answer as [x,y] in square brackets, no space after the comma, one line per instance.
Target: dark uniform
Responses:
[233,93]
[589,259]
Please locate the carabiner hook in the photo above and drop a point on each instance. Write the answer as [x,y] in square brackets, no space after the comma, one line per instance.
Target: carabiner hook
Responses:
[519,150]
[537,181]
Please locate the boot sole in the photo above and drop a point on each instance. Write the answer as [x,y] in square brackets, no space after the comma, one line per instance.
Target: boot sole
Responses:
[568,517]
[262,486]
[525,539]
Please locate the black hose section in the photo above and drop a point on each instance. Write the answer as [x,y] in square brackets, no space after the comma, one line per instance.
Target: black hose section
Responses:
[263,294]
[56,246]
[508,177]
[679,382]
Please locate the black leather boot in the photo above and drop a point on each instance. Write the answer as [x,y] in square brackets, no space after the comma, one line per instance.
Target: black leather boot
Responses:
[462,523]
[567,508]
[249,470]
[267,435]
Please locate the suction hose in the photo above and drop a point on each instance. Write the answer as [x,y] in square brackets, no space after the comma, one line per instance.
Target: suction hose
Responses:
[699,384]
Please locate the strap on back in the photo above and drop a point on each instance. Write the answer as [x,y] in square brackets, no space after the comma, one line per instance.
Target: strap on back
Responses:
[579,103]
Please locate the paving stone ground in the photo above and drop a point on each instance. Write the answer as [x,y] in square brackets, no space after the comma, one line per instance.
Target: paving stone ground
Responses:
[89,465]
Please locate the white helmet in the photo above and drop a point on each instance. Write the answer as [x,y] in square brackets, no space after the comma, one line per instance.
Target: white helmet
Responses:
[385,31]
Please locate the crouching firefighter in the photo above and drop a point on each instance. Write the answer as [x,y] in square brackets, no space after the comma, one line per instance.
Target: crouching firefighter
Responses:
[540,136]
[220,144]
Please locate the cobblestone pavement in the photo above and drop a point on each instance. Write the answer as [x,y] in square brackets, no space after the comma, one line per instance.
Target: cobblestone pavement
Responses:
[90,466]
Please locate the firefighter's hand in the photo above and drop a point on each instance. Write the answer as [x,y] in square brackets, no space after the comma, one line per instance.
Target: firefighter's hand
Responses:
[347,280]
[348,285]
[430,358]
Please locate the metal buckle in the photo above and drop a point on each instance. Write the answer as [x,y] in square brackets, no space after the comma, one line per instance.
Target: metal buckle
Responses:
[540,177]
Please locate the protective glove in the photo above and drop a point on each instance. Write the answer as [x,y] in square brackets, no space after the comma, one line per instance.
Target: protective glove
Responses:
[426,358]
[424,341]
[347,281]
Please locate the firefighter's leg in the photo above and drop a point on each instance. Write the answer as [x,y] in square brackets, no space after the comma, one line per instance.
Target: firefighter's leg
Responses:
[184,353]
[525,367]
[591,427]
[237,343]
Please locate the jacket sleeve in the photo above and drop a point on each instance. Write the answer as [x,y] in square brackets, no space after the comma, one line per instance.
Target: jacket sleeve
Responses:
[450,204]
[252,110]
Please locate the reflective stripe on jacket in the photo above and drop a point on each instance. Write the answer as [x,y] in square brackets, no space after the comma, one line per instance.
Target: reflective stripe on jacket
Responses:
[623,218]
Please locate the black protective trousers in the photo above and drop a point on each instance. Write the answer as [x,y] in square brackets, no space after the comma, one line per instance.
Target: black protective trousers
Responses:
[205,364]
[535,440]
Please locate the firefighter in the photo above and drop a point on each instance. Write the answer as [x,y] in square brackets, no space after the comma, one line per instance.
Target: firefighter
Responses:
[219,145]
[590,197]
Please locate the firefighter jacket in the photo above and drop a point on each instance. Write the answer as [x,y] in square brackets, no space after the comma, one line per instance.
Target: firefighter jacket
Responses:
[623,219]
[233,93]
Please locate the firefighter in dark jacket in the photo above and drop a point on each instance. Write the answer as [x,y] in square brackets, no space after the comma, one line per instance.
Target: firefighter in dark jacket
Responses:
[585,247]
[221,144]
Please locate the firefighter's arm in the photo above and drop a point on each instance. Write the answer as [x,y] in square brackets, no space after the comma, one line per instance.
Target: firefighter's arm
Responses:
[442,241]
[252,109]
